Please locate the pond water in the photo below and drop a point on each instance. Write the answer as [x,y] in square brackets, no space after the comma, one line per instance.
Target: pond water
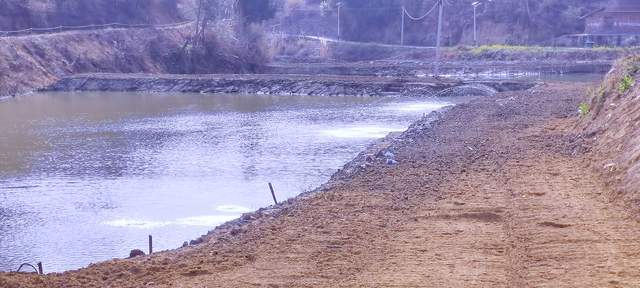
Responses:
[85,177]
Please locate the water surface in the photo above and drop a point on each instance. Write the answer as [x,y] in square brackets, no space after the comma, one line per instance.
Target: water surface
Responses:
[85,177]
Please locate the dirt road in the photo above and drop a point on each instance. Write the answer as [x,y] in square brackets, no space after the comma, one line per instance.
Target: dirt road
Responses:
[495,193]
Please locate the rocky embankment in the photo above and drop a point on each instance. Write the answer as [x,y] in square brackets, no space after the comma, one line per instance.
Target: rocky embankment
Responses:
[283,84]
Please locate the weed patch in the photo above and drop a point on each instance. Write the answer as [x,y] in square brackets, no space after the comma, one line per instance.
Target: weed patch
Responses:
[584,109]
[626,83]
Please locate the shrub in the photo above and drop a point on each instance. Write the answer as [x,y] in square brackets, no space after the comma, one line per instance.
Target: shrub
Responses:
[626,83]
[584,109]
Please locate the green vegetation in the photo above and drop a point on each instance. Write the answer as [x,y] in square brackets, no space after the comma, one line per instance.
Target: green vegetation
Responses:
[539,49]
[625,83]
[510,48]
[584,109]
[617,83]
[503,52]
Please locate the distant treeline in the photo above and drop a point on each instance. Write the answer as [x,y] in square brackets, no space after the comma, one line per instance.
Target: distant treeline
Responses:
[500,21]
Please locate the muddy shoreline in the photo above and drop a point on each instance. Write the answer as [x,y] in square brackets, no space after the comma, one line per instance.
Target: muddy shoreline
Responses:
[321,85]
[380,152]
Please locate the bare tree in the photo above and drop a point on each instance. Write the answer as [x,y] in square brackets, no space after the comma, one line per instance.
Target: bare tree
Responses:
[209,11]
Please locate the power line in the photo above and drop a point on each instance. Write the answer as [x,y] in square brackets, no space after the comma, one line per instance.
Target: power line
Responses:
[421,17]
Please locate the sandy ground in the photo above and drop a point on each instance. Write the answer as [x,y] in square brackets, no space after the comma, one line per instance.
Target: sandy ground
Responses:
[496,193]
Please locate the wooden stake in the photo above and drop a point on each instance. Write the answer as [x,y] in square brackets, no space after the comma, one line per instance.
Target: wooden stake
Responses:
[150,244]
[273,194]
[40,270]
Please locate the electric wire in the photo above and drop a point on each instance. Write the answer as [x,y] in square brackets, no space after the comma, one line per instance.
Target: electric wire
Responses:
[423,16]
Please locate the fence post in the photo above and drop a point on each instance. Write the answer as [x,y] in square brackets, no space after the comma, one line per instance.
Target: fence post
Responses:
[273,194]
[150,244]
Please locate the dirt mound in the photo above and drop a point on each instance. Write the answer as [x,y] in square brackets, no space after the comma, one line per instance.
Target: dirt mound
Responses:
[37,61]
[612,121]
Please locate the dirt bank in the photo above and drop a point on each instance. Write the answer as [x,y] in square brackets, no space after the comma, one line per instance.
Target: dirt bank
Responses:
[31,62]
[612,124]
[494,193]
[283,84]
[36,58]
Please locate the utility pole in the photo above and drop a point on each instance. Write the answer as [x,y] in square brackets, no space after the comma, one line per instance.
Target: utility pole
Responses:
[439,35]
[339,28]
[475,26]
[402,31]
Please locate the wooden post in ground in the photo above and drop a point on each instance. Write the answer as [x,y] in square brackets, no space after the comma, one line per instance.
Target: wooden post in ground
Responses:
[150,244]
[40,270]
[273,194]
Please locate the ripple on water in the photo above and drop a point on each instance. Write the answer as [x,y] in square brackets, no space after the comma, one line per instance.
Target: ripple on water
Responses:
[371,132]
[203,221]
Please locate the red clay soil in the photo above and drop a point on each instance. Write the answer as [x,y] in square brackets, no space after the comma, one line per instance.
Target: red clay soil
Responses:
[495,193]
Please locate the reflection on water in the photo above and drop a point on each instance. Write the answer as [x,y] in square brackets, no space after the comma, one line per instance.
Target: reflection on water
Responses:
[86,177]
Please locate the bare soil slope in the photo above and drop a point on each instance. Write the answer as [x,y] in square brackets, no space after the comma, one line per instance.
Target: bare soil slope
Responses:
[613,124]
[28,62]
[495,193]
[31,62]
